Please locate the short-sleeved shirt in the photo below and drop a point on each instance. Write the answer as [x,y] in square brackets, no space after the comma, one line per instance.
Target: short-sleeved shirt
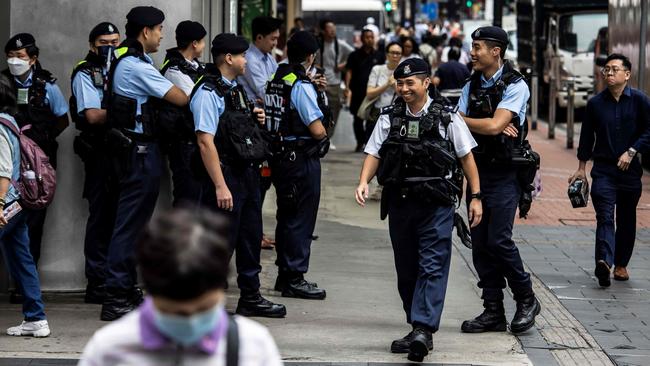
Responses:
[378,77]
[305,100]
[514,98]
[53,96]
[138,79]
[330,61]
[207,107]
[259,68]
[452,75]
[457,132]
[183,81]
[9,157]
[87,94]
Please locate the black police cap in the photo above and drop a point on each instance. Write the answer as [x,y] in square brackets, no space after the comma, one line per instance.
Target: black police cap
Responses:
[19,41]
[188,30]
[102,29]
[491,33]
[303,40]
[229,43]
[147,16]
[410,67]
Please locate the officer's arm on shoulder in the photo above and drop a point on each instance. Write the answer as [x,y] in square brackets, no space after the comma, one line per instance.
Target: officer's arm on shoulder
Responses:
[95,116]
[176,96]
[317,130]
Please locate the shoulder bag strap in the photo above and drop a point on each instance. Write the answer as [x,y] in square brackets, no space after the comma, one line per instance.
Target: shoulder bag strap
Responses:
[232,351]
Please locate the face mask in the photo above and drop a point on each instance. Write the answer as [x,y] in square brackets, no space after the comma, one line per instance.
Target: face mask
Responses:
[188,330]
[105,52]
[18,66]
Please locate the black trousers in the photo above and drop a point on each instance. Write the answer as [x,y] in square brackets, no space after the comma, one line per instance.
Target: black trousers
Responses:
[185,186]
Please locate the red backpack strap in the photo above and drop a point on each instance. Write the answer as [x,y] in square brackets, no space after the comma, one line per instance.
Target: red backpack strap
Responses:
[10,126]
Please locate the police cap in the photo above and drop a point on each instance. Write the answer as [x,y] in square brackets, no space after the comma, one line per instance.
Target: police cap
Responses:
[19,41]
[147,16]
[229,43]
[303,40]
[188,30]
[491,33]
[410,67]
[101,29]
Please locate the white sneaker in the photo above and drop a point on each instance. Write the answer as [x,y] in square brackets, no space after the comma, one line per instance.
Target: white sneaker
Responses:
[332,147]
[36,329]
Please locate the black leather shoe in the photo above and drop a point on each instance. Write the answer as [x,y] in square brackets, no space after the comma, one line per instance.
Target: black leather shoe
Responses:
[302,289]
[420,342]
[403,345]
[256,305]
[492,319]
[95,294]
[117,304]
[525,315]
[281,283]
[602,272]
[136,295]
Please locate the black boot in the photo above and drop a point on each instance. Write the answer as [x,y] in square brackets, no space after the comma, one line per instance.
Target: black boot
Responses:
[525,315]
[403,345]
[256,305]
[282,280]
[421,343]
[95,293]
[300,288]
[492,319]
[118,303]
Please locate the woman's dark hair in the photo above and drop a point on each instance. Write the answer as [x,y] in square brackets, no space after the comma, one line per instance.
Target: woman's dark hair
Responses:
[404,39]
[394,43]
[7,96]
[184,253]
[617,56]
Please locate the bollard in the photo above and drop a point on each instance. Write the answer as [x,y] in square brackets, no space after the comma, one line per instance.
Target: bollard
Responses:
[570,109]
[534,102]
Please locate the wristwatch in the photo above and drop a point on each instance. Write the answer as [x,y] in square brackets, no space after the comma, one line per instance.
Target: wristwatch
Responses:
[476,195]
[631,152]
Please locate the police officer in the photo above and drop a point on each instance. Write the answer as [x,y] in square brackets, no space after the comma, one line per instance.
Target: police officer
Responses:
[294,110]
[494,106]
[231,150]
[41,105]
[182,67]
[89,84]
[136,155]
[419,195]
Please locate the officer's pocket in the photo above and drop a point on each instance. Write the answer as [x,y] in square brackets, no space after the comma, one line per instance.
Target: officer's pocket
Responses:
[287,198]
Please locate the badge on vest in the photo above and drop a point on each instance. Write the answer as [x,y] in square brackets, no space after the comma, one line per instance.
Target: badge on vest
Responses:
[413,131]
[23,96]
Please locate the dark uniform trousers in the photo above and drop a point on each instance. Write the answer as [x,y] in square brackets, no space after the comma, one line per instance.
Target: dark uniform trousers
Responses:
[421,236]
[615,191]
[494,253]
[138,192]
[297,186]
[185,186]
[245,221]
[102,196]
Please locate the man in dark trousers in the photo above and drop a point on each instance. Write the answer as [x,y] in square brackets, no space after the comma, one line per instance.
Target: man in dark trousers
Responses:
[615,130]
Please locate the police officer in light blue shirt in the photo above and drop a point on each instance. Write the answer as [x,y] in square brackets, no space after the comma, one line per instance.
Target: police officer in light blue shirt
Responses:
[494,106]
[135,153]
[88,104]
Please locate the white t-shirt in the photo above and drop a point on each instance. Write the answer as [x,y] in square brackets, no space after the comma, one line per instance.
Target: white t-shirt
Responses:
[379,75]
[457,132]
[182,81]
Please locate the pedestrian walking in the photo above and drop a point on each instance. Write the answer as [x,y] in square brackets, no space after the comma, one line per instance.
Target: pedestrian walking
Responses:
[419,196]
[450,77]
[615,130]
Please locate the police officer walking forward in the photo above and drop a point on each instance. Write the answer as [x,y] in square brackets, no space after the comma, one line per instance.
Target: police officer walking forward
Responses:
[132,81]
[294,115]
[88,110]
[494,106]
[231,149]
[420,191]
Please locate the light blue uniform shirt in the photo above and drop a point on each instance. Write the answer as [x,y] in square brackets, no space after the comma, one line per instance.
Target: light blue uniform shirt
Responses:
[305,100]
[514,98]
[12,194]
[88,95]
[259,68]
[53,95]
[207,106]
[139,79]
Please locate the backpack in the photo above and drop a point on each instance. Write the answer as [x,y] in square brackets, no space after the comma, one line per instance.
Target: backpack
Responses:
[38,179]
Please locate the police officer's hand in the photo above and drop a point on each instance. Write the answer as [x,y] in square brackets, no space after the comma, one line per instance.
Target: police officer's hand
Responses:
[624,161]
[224,198]
[511,130]
[391,81]
[579,174]
[361,194]
[259,113]
[475,212]
[320,81]
[3,219]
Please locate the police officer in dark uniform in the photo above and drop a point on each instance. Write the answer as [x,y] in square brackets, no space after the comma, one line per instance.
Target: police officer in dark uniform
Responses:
[295,117]
[231,151]
[494,105]
[41,105]
[183,69]
[133,80]
[88,111]
[420,191]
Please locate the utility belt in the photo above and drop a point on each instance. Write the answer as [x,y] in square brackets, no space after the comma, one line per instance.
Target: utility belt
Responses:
[433,190]
[90,144]
[290,150]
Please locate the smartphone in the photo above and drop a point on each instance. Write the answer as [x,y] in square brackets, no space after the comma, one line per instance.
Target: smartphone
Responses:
[12,210]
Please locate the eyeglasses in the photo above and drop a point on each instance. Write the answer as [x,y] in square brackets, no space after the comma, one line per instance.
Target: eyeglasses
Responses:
[395,53]
[613,70]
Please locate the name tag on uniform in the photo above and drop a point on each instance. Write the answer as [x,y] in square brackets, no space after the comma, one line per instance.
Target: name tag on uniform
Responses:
[23,96]
[413,131]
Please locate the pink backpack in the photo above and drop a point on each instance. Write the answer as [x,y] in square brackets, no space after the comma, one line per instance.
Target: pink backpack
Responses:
[37,177]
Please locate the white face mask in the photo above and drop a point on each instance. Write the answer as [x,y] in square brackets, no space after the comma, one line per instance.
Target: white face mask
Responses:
[18,66]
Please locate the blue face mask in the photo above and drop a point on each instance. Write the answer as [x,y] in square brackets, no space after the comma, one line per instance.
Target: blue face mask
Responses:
[105,52]
[188,330]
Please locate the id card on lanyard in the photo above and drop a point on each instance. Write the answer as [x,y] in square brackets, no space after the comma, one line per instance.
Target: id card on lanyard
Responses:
[23,96]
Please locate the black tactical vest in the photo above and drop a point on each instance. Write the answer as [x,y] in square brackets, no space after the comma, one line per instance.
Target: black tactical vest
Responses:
[416,156]
[281,119]
[122,110]
[93,66]
[176,124]
[483,103]
[239,137]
